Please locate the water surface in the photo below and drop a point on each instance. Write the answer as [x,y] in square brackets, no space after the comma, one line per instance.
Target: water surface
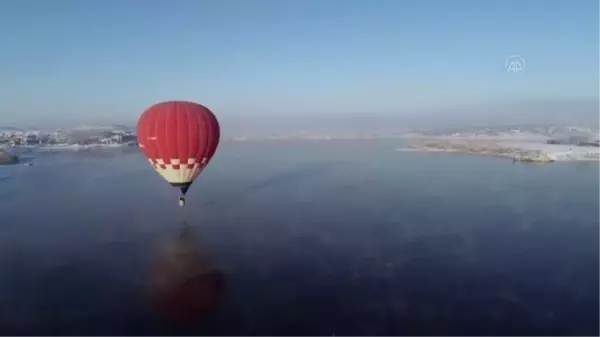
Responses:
[322,238]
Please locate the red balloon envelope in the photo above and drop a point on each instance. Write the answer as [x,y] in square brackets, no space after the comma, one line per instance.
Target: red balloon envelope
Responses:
[179,139]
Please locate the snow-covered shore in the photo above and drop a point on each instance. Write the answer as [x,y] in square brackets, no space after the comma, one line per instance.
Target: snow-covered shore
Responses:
[557,152]
[519,150]
[71,147]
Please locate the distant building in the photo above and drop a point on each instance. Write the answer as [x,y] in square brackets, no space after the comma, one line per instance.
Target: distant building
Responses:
[109,140]
[31,139]
[117,137]
[594,143]
[574,140]
[128,137]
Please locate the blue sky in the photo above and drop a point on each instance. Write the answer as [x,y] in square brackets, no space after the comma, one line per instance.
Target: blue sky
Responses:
[73,61]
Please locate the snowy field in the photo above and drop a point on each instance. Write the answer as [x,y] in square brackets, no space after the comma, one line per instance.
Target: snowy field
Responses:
[22,149]
[555,151]
[510,148]
[76,147]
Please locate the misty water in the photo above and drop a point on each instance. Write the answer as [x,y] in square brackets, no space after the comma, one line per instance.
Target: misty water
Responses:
[346,238]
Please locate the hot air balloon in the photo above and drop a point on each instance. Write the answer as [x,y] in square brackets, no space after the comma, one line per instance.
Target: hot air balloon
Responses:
[179,139]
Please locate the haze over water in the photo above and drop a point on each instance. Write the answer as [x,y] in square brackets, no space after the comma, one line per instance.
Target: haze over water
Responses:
[314,238]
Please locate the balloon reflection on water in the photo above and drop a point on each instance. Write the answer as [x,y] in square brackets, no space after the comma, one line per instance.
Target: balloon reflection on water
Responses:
[185,285]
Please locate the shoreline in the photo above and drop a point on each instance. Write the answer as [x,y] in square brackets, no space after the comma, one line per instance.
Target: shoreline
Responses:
[483,148]
[75,147]
[491,155]
[532,152]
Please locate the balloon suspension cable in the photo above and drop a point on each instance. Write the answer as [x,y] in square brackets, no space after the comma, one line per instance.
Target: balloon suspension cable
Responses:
[184,190]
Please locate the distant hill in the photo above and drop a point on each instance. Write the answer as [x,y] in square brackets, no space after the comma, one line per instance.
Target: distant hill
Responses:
[10,129]
[101,128]
[512,131]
